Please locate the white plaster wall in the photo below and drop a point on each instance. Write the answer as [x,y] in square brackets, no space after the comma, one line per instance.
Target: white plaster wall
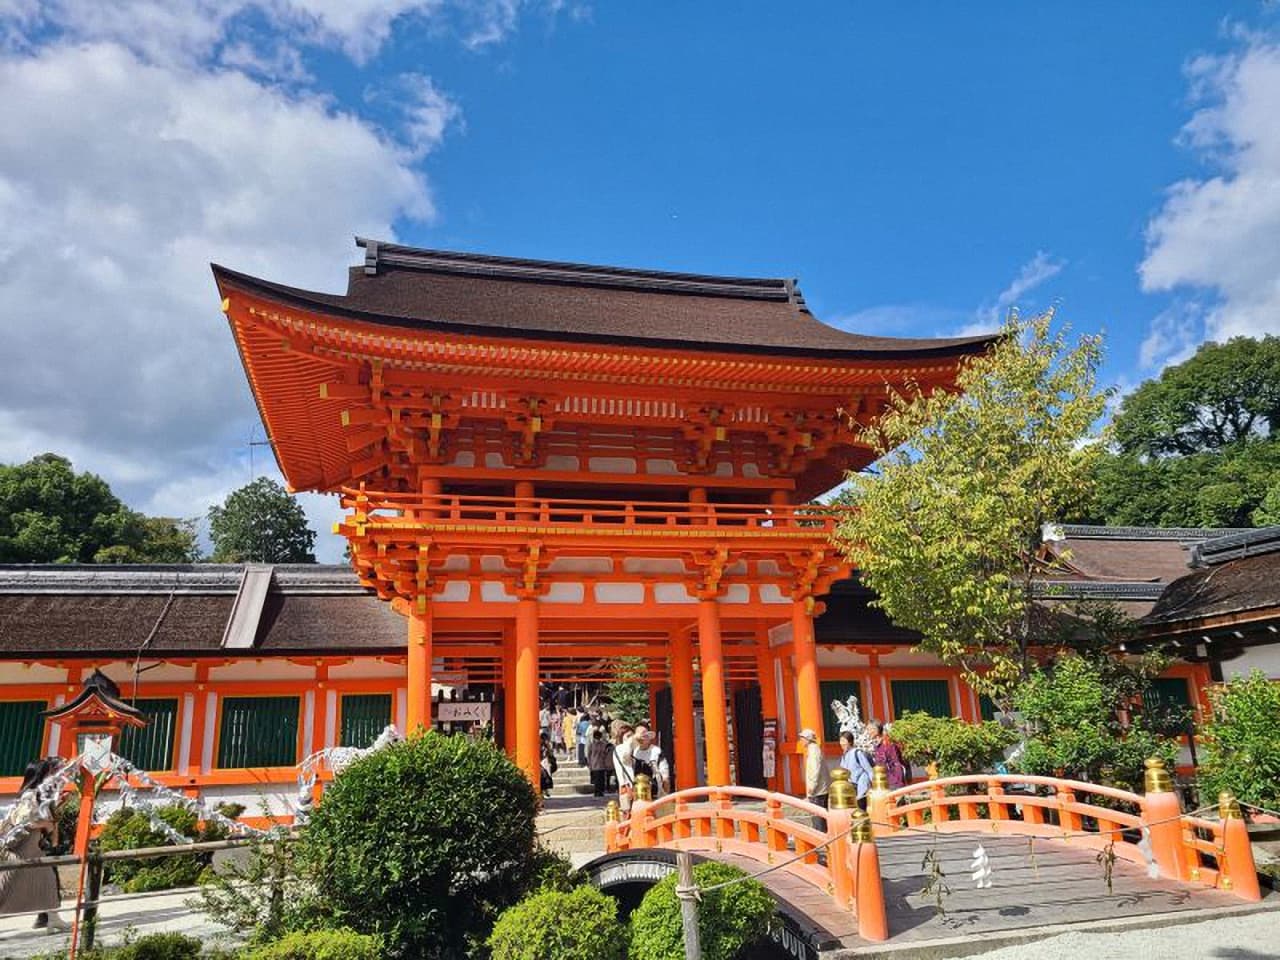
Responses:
[619,592]
[493,591]
[905,657]
[612,465]
[269,799]
[261,670]
[493,563]
[455,591]
[580,565]
[364,668]
[560,461]
[780,634]
[841,657]
[30,673]
[672,593]
[653,565]
[737,593]
[661,467]
[772,593]
[1265,658]
[564,593]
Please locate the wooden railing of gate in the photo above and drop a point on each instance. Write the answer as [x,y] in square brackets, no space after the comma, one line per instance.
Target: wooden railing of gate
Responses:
[765,827]
[1184,847]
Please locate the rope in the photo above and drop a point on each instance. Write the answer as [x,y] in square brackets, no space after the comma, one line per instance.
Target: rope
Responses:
[928,831]
[1254,806]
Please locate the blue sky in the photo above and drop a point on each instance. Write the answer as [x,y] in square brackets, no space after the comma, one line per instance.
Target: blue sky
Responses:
[920,167]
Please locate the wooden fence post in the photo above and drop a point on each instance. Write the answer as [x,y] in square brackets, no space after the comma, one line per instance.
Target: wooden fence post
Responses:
[687,893]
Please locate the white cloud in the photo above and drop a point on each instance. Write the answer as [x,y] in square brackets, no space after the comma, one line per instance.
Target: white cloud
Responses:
[119,181]
[1172,336]
[1222,233]
[1032,274]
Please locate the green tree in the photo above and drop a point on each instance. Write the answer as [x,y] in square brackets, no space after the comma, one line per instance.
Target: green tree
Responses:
[1227,393]
[948,528]
[261,522]
[1198,446]
[628,692]
[731,920]
[1241,742]
[51,514]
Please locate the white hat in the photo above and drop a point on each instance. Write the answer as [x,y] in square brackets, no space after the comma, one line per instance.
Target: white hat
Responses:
[807,734]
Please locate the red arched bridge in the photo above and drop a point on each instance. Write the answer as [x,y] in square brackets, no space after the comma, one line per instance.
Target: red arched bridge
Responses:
[1053,852]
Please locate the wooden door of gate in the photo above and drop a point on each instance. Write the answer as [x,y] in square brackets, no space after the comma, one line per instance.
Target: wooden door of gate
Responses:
[748,728]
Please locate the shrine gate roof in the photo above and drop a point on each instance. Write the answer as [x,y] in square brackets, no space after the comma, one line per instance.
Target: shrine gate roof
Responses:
[535,299]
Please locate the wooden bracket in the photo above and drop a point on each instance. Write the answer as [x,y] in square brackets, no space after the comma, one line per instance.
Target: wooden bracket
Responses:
[712,569]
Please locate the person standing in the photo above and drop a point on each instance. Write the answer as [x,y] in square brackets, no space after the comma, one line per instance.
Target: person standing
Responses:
[583,736]
[647,758]
[858,763]
[887,755]
[624,765]
[570,723]
[544,721]
[22,891]
[599,761]
[549,766]
[557,732]
[817,779]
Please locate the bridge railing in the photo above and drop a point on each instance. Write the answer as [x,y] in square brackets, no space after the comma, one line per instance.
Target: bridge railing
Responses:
[1152,828]
[839,859]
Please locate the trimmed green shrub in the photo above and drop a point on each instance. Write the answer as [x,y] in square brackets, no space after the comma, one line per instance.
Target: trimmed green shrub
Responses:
[956,746]
[1241,742]
[730,920]
[319,945]
[424,843]
[128,829]
[580,925]
[159,946]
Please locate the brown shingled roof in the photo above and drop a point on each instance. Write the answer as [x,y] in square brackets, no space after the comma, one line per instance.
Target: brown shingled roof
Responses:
[1239,586]
[503,296]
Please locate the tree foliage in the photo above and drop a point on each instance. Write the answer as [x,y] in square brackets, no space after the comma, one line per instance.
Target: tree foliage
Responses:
[1227,393]
[1077,729]
[261,523]
[1241,742]
[948,529]
[422,843]
[628,692]
[956,746]
[1199,445]
[51,514]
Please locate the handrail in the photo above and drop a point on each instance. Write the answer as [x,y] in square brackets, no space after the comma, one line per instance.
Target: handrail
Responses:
[1081,786]
[706,818]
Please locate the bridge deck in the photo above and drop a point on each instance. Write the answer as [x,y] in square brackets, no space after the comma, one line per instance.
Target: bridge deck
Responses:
[1061,884]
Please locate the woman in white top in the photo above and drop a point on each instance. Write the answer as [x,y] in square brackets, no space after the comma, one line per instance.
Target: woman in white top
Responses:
[624,766]
[647,758]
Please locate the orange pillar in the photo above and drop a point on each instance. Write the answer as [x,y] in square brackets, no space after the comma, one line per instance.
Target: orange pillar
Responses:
[509,725]
[528,752]
[808,694]
[419,666]
[768,691]
[685,749]
[714,715]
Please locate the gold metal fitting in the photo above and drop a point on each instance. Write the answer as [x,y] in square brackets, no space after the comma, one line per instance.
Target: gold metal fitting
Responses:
[644,787]
[1228,805]
[612,812]
[1157,779]
[879,778]
[860,827]
[844,794]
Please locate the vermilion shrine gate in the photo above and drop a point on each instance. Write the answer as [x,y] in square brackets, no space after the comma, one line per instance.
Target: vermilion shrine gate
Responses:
[551,466]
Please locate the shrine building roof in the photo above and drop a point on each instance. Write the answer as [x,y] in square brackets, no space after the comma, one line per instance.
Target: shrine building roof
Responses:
[536,299]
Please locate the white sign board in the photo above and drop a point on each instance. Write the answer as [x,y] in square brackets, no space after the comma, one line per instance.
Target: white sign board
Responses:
[457,711]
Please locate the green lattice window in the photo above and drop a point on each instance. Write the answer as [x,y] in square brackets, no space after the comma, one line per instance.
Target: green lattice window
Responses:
[931,696]
[258,732]
[364,716]
[151,748]
[838,690]
[1171,692]
[21,735]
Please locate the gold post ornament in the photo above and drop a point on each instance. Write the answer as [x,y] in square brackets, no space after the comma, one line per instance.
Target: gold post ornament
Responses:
[843,794]
[1228,806]
[644,787]
[612,812]
[879,778]
[1157,779]
[860,827]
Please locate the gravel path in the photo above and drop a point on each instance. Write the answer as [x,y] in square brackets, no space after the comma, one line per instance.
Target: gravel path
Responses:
[1252,937]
